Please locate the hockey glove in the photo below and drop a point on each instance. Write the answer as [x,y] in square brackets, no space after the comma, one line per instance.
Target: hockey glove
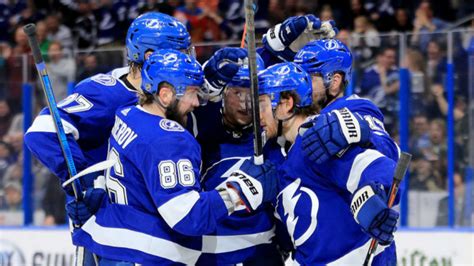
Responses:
[254,184]
[370,210]
[80,211]
[331,133]
[222,66]
[286,39]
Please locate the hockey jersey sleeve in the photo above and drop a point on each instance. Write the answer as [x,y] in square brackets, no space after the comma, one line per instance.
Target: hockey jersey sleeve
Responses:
[42,140]
[172,178]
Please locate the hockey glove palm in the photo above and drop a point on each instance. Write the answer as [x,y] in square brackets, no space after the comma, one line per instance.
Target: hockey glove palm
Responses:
[371,212]
[80,211]
[222,67]
[254,184]
[330,133]
[286,39]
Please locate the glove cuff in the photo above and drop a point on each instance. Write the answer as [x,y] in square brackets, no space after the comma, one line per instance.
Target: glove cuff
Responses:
[366,205]
[349,125]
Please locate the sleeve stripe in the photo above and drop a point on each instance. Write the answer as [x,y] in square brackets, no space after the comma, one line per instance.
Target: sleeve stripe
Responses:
[359,164]
[175,209]
[44,123]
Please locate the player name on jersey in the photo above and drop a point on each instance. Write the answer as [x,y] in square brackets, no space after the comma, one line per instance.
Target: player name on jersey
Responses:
[122,133]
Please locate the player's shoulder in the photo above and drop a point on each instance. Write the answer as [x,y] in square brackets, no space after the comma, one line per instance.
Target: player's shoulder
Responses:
[155,129]
[109,83]
[357,104]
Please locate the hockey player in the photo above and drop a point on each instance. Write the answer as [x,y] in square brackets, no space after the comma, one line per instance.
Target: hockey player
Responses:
[330,210]
[156,177]
[88,114]
[223,129]
[329,62]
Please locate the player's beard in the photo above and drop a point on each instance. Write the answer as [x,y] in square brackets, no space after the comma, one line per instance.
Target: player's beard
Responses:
[173,113]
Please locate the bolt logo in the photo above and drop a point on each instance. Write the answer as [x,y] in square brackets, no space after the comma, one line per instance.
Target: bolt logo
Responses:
[284,70]
[331,45]
[170,58]
[289,198]
[153,24]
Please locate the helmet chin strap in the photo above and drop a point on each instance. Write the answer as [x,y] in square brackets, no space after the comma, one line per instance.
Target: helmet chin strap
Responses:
[280,138]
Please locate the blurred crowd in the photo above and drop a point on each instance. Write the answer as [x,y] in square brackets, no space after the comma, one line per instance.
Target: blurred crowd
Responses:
[80,38]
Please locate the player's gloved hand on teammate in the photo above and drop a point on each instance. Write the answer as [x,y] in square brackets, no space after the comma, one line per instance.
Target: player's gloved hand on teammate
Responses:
[80,211]
[330,133]
[254,184]
[222,66]
[370,210]
[287,38]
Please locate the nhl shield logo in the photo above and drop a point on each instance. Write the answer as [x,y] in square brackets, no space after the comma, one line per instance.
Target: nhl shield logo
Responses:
[170,125]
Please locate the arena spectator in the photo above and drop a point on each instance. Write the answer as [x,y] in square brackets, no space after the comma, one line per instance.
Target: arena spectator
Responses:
[402,21]
[365,40]
[346,20]
[61,70]
[419,87]
[326,13]
[422,179]
[13,195]
[196,20]
[111,19]
[425,24]
[6,159]
[90,67]
[41,35]
[6,117]
[436,62]
[85,27]
[381,13]
[375,80]
[419,138]
[59,32]
[345,37]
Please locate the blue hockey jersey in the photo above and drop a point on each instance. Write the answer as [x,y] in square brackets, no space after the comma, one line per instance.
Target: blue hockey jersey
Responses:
[88,116]
[314,202]
[156,173]
[243,236]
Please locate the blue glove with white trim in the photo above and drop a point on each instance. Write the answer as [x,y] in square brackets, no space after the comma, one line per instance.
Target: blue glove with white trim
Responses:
[223,65]
[370,210]
[254,184]
[286,39]
[330,133]
[80,211]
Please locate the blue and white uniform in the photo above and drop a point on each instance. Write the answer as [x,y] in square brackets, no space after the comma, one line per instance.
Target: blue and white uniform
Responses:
[88,117]
[157,174]
[244,237]
[314,201]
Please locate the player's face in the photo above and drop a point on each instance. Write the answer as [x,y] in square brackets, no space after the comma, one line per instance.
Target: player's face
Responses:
[189,100]
[237,106]
[319,90]
[267,120]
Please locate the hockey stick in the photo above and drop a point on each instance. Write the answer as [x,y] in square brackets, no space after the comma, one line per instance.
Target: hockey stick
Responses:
[242,41]
[400,171]
[250,7]
[30,31]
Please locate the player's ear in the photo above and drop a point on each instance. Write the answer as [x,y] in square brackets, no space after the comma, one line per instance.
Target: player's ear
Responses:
[166,95]
[337,80]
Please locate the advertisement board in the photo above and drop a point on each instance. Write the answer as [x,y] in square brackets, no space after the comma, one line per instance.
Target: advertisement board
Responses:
[52,247]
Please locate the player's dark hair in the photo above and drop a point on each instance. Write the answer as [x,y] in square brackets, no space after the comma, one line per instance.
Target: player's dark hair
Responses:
[146,98]
[303,111]
[135,67]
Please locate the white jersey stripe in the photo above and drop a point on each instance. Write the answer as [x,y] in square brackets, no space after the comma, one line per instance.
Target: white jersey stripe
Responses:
[222,244]
[125,238]
[175,209]
[44,123]
[359,164]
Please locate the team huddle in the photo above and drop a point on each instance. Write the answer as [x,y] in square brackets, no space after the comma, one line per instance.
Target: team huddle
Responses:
[184,189]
